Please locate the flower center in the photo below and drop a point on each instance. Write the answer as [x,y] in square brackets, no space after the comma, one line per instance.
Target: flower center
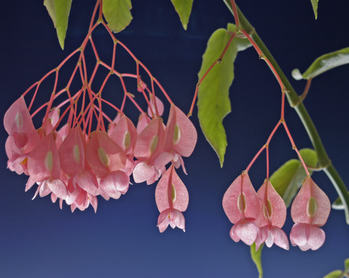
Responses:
[241,202]
[311,207]
[154,143]
[267,209]
[49,161]
[176,134]
[127,140]
[19,121]
[173,193]
[103,156]
[76,153]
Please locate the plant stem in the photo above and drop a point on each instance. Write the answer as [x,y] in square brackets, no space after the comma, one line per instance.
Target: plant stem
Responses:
[297,104]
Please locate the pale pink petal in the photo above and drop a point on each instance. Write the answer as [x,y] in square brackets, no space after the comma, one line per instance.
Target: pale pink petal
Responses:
[143,121]
[51,121]
[87,181]
[273,206]
[159,106]
[240,200]
[171,190]
[261,236]
[162,160]
[57,187]
[163,221]
[94,202]
[143,172]
[115,183]
[316,237]
[298,234]
[280,238]
[53,198]
[246,231]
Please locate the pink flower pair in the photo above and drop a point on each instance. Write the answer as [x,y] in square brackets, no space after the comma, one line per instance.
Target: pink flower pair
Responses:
[259,217]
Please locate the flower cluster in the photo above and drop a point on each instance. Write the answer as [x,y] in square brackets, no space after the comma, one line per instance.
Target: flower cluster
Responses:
[259,216]
[79,153]
[76,167]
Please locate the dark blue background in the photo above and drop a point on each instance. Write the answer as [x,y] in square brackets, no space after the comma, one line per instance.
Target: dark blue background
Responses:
[122,240]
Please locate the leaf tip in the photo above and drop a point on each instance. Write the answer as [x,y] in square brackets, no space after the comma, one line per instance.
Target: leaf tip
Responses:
[296,74]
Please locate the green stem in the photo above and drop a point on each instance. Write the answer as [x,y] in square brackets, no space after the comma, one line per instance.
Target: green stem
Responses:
[294,101]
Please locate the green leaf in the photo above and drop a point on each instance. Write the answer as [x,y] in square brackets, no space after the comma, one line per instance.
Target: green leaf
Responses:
[290,176]
[213,97]
[59,11]
[183,9]
[315,4]
[117,13]
[256,256]
[334,274]
[346,265]
[324,63]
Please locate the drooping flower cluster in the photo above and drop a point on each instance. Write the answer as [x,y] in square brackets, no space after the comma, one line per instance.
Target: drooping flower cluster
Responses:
[259,217]
[75,157]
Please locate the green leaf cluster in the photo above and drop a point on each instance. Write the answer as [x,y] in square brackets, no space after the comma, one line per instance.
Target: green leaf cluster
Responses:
[340,273]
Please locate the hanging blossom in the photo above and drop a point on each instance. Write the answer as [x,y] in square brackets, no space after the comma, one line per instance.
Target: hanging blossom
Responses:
[242,207]
[272,218]
[79,153]
[310,210]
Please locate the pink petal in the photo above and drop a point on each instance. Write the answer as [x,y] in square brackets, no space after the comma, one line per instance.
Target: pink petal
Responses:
[159,106]
[181,132]
[273,206]
[163,221]
[57,187]
[43,162]
[298,234]
[87,181]
[115,184]
[150,141]
[246,231]
[94,202]
[171,217]
[300,205]
[280,238]
[123,133]
[99,152]
[241,193]
[72,152]
[171,191]
[52,119]
[17,118]
[143,121]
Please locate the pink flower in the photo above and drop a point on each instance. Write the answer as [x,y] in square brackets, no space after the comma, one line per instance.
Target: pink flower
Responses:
[149,151]
[172,199]
[272,218]
[23,137]
[242,207]
[159,106]
[181,136]
[310,210]
[108,162]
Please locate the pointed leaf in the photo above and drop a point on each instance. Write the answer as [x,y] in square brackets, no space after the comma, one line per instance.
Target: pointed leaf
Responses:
[334,274]
[183,9]
[59,11]
[324,63]
[290,176]
[315,4]
[213,98]
[256,256]
[117,13]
